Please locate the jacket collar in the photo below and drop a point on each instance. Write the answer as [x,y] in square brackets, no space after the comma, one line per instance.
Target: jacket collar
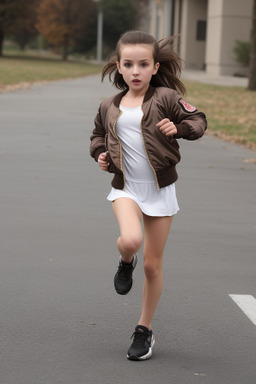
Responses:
[117,99]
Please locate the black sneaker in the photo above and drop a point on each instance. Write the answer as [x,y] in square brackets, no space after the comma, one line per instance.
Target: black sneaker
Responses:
[123,277]
[143,342]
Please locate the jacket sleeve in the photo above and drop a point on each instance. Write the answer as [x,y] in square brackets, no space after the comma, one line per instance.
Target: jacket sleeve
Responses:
[190,123]
[97,145]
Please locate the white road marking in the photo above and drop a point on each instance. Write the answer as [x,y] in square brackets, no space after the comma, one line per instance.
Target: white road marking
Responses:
[247,303]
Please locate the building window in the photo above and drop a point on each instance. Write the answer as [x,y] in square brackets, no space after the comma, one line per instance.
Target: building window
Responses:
[201,30]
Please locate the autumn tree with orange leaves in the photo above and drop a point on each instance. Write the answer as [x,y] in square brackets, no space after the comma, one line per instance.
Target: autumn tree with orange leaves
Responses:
[61,22]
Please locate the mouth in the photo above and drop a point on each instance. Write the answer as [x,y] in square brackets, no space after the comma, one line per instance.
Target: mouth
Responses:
[136,81]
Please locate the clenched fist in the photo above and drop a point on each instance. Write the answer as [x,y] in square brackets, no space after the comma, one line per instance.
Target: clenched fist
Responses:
[167,127]
[103,162]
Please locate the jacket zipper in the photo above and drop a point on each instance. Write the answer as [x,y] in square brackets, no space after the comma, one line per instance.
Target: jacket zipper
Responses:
[147,154]
[120,145]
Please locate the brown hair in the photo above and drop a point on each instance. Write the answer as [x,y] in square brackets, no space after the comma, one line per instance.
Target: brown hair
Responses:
[170,63]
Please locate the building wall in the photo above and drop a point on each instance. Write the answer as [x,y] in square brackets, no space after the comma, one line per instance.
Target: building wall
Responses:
[228,21]
[192,49]
[179,17]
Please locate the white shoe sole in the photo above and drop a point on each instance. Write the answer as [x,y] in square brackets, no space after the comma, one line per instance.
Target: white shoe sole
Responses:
[145,357]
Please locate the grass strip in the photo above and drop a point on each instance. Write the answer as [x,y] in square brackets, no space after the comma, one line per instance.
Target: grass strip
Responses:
[230,111]
[29,69]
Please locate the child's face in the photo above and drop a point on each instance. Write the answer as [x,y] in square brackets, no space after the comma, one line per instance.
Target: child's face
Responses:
[137,65]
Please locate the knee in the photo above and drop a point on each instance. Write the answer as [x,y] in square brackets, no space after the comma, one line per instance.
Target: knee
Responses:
[131,244]
[152,268]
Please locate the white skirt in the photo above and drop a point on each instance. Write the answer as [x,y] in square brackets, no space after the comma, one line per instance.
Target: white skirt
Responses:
[152,202]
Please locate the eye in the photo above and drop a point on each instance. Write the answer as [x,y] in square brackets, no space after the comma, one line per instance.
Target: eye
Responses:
[127,65]
[144,65]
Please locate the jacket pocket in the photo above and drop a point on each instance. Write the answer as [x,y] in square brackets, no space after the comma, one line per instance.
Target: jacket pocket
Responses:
[173,150]
[175,143]
[111,167]
[106,142]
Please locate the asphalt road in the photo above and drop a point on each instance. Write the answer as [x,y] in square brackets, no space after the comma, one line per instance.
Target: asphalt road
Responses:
[60,319]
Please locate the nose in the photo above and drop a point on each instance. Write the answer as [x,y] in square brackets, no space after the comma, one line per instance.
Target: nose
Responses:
[135,70]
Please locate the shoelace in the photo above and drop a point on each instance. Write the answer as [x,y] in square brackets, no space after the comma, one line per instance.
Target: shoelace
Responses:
[140,337]
[125,269]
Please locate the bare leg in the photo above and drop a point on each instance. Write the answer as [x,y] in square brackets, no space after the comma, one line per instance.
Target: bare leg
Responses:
[156,234]
[128,215]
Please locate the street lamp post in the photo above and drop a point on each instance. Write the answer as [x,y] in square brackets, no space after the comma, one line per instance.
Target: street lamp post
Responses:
[99,32]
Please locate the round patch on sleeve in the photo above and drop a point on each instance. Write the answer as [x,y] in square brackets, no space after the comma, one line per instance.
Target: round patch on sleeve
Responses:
[186,106]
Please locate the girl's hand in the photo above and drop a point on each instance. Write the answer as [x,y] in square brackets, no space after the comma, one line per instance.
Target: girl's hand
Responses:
[103,162]
[167,127]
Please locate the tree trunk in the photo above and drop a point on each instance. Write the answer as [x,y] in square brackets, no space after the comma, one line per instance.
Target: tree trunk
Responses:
[65,48]
[1,42]
[65,53]
[252,67]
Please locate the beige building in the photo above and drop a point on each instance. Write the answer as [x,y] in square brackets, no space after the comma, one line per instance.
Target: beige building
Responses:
[208,29]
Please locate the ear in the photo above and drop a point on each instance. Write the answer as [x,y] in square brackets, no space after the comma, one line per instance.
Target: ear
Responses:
[156,67]
[118,66]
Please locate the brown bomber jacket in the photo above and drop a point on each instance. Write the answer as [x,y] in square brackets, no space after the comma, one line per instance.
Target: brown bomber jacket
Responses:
[162,151]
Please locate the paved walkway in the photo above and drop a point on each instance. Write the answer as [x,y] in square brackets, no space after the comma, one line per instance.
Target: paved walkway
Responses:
[61,321]
[203,77]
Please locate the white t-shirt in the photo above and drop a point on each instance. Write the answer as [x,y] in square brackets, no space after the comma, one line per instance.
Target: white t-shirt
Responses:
[135,162]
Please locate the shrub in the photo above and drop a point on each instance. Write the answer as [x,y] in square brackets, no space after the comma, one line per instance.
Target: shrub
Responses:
[242,52]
